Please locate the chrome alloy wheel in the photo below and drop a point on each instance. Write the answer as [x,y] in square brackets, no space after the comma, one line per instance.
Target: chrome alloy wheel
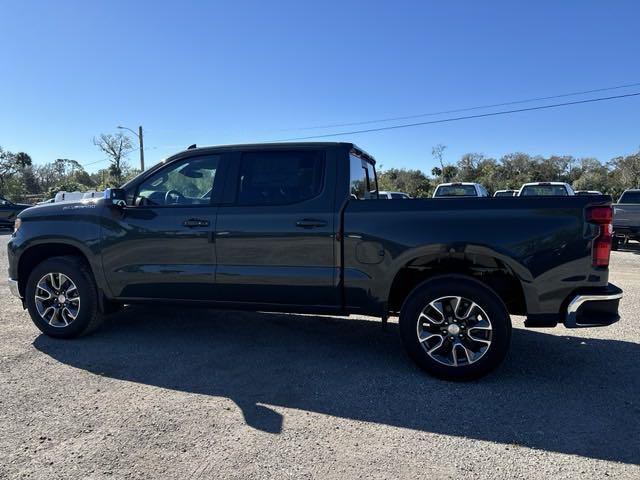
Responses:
[454,331]
[57,299]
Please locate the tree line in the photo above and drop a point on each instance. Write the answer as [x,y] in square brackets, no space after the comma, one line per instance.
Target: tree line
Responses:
[512,170]
[21,179]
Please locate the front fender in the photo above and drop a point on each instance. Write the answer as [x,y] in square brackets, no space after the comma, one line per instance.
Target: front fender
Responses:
[76,228]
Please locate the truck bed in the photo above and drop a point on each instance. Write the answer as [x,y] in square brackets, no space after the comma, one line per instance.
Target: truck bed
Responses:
[544,243]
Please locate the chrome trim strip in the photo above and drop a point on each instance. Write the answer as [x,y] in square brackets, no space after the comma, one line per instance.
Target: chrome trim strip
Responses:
[13,288]
[576,303]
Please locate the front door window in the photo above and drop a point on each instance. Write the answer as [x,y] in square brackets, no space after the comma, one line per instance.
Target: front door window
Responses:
[189,182]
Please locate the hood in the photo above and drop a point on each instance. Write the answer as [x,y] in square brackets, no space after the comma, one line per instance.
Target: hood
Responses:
[61,208]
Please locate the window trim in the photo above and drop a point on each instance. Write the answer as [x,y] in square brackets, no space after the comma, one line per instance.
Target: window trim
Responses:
[238,173]
[364,164]
[212,202]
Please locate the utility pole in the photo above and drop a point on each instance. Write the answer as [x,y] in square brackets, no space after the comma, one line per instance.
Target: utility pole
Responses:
[141,148]
[140,142]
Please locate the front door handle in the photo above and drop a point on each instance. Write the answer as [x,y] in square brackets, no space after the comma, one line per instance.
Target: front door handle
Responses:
[195,222]
[310,223]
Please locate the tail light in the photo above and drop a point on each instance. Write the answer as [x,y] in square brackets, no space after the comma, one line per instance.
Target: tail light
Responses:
[601,216]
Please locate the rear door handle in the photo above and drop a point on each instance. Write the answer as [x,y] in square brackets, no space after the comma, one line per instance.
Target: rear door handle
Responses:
[310,223]
[195,222]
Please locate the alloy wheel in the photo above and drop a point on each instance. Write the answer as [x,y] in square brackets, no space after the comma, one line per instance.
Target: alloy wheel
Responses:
[454,331]
[57,299]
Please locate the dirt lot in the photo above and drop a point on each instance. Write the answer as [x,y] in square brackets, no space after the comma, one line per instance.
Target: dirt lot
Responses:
[171,393]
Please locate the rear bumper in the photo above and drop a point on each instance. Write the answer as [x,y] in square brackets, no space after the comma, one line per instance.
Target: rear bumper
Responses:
[594,308]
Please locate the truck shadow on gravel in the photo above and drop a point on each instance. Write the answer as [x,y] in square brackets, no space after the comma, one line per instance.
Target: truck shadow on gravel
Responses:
[561,394]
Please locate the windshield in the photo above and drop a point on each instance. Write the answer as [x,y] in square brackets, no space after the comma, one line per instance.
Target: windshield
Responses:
[508,193]
[456,191]
[544,190]
[630,197]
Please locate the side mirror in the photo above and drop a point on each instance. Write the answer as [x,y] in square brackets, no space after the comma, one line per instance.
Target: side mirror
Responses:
[116,197]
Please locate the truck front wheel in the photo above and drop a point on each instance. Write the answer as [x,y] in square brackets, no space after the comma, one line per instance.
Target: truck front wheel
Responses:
[455,327]
[62,298]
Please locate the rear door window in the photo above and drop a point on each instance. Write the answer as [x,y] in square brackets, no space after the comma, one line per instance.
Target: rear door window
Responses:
[280,177]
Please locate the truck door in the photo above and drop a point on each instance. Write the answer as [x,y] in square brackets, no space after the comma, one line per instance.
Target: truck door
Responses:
[162,246]
[275,237]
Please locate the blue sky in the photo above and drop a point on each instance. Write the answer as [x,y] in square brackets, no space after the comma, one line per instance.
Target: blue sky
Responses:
[242,71]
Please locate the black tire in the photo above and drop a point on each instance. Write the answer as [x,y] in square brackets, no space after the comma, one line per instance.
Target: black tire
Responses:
[88,316]
[456,286]
[615,243]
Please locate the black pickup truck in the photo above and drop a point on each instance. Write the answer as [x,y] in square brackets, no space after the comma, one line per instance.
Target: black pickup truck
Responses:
[299,228]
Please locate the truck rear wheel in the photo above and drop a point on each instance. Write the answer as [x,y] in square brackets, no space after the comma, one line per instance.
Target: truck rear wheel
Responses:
[455,327]
[62,298]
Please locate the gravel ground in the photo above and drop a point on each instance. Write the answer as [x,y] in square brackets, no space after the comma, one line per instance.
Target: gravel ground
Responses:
[170,393]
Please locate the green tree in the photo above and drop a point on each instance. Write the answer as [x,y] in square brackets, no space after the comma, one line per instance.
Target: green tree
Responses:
[449,173]
[626,171]
[413,182]
[10,167]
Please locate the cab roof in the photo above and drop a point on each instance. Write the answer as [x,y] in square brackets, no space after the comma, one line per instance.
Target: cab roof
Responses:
[276,146]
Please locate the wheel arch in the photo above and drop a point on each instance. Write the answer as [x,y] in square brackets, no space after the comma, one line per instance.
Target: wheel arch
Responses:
[36,253]
[500,273]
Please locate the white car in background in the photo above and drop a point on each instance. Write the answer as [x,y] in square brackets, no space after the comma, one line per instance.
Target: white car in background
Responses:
[393,195]
[537,189]
[588,192]
[460,189]
[63,196]
[505,193]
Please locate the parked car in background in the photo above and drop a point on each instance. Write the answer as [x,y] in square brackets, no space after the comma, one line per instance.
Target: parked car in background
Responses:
[393,195]
[291,227]
[460,189]
[63,196]
[505,193]
[539,189]
[9,211]
[626,217]
[588,192]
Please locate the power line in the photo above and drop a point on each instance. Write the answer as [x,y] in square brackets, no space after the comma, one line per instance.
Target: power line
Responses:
[93,163]
[467,109]
[106,159]
[454,119]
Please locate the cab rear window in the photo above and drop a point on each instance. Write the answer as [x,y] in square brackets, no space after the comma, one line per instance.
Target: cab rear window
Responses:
[630,197]
[544,190]
[456,191]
